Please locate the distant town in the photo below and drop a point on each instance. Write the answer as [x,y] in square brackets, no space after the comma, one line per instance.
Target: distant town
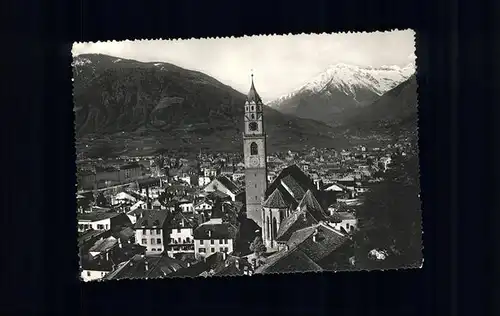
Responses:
[224,214]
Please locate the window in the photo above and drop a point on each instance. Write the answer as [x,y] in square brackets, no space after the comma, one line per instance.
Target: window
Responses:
[221,249]
[252,116]
[158,232]
[144,232]
[256,198]
[88,273]
[153,249]
[178,230]
[144,241]
[253,149]
[202,250]
[202,242]
[252,108]
[212,242]
[225,241]
[158,241]
[226,249]
[100,226]
[152,241]
[256,185]
[221,241]
[179,240]
[107,226]
[212,249]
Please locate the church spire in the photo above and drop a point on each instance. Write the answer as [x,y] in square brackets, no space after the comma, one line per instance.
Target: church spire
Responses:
[253,96]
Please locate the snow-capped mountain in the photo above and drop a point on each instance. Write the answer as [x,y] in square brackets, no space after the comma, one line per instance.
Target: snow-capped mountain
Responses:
[332,94]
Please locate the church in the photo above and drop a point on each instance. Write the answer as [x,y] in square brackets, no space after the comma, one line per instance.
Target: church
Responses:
[287,204]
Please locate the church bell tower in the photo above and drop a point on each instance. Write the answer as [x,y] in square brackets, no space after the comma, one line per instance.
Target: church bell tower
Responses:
[254,151]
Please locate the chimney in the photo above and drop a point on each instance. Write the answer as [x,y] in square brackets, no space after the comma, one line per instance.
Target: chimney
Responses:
[119,243]
[107,256]
[188,264]
[315,235]
[237,264]
[224,256]
[209,234]
[146,265]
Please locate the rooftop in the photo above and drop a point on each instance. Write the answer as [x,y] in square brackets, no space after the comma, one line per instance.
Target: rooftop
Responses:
[102,245]
[290,261]
[151,219]
[147,267]
[95,216]
[275,200]
[229,184]
[215,231]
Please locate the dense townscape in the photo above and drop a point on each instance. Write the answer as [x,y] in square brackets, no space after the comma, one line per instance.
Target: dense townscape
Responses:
[206,213]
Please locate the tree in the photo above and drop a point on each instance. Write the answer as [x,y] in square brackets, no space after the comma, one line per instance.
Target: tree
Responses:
[257,246]
[101,200]
[390,219]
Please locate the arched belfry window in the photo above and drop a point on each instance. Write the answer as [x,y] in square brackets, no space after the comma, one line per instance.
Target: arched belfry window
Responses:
[274,228]
[253,149]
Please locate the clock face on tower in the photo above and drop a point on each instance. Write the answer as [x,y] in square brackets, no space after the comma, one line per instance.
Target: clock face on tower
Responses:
[254,161]
[253,126]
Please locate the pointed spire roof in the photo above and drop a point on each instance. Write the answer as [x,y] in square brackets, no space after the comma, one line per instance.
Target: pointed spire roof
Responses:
[252,95]
[275,200]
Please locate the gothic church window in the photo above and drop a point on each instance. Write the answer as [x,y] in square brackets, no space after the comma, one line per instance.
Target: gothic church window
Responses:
[253,149]
[253,125]
[274,229]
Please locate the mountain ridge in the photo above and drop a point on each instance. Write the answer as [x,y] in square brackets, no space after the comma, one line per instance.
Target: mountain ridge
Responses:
[129,104]
[333,95]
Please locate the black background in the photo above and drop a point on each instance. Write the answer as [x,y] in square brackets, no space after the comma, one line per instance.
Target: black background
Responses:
[457,103]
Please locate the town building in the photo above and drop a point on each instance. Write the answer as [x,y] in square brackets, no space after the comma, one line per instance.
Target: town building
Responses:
[214,236]
[102,221]
[226,186]
[181,234]
[151,230]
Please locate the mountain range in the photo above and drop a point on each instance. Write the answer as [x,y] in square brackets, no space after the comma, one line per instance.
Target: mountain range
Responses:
[337,94]
[129,107]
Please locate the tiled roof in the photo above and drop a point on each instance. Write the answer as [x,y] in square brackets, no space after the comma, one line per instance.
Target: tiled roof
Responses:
[89,234]
[126,233]
[116,256]
[157,266]
[96,216]
[311,204]
[290,261]
[230,185]
[297,220]
[181,220]
[292,185]
[151,219]
[217,231]
[191,271]
[104,244]
[327,241]
[297,174]
[275,200]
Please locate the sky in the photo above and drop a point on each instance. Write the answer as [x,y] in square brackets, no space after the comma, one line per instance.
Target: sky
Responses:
[280,64]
